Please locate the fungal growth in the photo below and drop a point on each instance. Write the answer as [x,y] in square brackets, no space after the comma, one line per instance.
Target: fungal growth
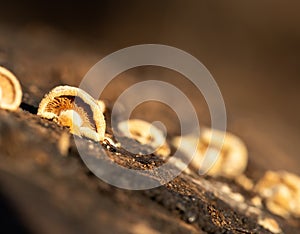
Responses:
[281,193]
[227,157]
[146,134]
[10,90]
[76,109]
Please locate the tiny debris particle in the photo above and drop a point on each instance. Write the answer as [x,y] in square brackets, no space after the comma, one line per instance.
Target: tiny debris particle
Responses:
[192,216]
[269,224]
[91,146]
[64,144]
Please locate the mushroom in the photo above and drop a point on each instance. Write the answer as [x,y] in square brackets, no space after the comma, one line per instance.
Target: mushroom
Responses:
[10,90]
[146,134]
[281,193]
[74,108]
[228,155]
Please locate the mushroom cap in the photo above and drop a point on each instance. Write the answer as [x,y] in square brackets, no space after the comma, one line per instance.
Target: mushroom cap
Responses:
[233,157]
[145,133]
[65,104]
[10,90]
[229,154]
[281,192]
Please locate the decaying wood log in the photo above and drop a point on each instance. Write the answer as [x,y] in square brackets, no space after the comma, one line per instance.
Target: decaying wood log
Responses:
[45,186]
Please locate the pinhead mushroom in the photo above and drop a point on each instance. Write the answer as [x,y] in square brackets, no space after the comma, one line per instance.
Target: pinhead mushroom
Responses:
[228,155]
[10,90]
[145,133]
[281,193]
[74,108]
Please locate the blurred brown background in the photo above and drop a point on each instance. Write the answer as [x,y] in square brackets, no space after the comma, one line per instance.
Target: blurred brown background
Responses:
[252,49]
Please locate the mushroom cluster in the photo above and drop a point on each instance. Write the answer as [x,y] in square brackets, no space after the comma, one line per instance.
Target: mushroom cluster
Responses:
[74,108]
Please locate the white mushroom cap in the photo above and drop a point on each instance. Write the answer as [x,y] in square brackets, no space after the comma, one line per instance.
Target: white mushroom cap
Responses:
[228,156]
[145,133]
[233,159]
[281,192]
[74,108]
[10,90]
